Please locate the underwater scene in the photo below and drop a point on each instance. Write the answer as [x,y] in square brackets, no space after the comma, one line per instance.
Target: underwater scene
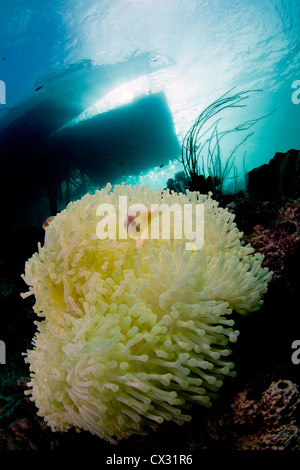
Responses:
[150,229]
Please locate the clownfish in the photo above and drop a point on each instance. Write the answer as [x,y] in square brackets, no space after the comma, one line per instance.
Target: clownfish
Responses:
[133,223]
[47,222]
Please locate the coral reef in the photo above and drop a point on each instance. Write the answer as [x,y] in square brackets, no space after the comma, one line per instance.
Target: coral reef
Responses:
[261,420]
[179,183]
[279,242]
[250,212]
[130,336]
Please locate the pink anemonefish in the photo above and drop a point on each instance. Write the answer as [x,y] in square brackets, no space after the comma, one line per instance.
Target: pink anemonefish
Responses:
[133,223]
[47,222]
[131,220]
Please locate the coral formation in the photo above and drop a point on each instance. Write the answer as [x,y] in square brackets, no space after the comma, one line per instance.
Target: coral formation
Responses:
[263,416]
[179,183]
[275,405]
[129,337]
[270,417]
[280,243]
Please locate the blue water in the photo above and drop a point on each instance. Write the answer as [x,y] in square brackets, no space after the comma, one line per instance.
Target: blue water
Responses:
[73,62]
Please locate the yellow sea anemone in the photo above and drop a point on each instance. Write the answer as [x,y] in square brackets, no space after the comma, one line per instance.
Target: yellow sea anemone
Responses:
[131,335]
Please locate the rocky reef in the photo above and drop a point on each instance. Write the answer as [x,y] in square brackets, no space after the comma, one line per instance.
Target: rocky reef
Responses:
[278,179]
